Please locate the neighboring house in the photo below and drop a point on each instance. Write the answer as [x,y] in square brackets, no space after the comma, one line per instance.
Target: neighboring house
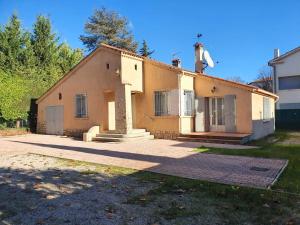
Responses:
[286,76]
[265,83]
[121,91]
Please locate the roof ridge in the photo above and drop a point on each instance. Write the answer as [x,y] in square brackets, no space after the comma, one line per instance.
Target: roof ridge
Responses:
[288,53]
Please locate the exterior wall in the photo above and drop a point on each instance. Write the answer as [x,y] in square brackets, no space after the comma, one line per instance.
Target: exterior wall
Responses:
[290,66]
[261,127]
[93,79]
[156,78]
[203,87]
[186,122]
[132,72]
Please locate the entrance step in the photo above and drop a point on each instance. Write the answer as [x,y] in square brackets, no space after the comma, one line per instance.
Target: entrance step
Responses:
[216,137]
[134,135]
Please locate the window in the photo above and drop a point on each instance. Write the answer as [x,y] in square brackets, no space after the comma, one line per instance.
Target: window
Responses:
[135,66]
[287,83]
[161,103]
[266,109]
[59,96]
[81,106]
[188,101]
[107,66]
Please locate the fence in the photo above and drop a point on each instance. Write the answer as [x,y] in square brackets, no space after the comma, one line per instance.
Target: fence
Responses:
[288,119]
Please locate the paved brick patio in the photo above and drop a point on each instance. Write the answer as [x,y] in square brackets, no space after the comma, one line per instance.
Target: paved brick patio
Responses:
[161,156]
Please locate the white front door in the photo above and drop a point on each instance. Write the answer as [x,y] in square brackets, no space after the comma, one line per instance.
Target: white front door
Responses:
[55,120]
[217,116]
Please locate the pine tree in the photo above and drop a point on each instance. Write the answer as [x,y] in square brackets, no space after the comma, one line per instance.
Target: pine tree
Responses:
[44,42]
[30,63]
[11,45]
[110,28]
[145,50]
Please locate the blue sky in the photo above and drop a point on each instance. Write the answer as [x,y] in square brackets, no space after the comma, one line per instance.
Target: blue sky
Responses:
[241,35]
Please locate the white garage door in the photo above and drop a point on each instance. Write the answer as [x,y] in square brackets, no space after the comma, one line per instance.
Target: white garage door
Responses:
[55,120]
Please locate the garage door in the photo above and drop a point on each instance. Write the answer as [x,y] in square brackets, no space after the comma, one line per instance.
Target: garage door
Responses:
[55,120]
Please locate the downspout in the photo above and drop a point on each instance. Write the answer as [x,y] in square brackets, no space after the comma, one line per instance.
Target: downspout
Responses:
[179,105]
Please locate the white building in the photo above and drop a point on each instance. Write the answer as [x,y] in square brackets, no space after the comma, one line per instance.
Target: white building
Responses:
[286,78]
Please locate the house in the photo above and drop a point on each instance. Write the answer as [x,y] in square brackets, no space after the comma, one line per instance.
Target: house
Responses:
[124,95]
[286,77]
[265,83]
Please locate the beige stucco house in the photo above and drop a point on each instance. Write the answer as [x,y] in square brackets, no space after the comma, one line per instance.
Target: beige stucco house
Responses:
[120,93]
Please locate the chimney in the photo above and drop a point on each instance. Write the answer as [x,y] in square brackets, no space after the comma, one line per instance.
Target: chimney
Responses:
[198,57]
[276,53]
[176,63]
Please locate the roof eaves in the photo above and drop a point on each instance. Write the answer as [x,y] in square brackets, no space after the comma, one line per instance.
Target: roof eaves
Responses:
[277,60]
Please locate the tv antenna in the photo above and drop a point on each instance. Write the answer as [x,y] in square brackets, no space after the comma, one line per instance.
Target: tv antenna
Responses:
[199,36]
[174,54]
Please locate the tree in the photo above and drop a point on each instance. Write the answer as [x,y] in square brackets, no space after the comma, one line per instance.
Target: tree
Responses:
[108,27]
[68,57]
[264,78]
[30,63]
[44,42]
[145,50]
[11,44]
[237,79]
[12,102]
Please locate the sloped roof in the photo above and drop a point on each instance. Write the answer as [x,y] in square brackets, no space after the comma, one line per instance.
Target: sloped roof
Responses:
[277,60]
[184,71]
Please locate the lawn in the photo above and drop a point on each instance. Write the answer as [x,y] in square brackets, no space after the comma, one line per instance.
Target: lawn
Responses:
[273,147]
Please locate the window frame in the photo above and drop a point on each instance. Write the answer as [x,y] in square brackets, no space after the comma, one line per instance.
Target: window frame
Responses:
[265,117]
[156,114]
[280,88]
[185,111]
[81,116]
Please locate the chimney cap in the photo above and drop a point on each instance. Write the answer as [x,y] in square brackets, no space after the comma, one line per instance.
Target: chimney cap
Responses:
[276,53]
[198,44]
[176,62]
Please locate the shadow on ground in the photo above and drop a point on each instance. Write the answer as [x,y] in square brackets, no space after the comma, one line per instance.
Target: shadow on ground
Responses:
[211,167]
[36,189]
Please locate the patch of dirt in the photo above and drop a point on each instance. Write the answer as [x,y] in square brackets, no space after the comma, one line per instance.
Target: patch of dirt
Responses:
[294,139]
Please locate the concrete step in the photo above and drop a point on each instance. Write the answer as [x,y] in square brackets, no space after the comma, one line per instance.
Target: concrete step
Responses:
[210,140]
[129,135]
[212,137]
[123,139]
[133,131]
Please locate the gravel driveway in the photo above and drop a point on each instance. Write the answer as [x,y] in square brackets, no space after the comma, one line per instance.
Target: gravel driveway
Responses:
[161,156]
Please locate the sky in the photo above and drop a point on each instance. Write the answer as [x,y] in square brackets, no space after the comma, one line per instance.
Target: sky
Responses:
[241,35]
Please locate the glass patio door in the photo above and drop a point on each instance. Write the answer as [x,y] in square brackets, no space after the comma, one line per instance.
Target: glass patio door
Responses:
[217,117]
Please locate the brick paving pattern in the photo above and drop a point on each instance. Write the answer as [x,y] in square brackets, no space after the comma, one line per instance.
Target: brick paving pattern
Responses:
[161,156]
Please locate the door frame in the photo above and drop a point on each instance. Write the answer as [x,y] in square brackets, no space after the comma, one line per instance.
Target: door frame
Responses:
[51,125]
[214,107]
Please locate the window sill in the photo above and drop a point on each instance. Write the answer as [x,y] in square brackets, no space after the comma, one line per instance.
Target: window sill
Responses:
[82,118]
[187,116]
[165,117]
[266,120]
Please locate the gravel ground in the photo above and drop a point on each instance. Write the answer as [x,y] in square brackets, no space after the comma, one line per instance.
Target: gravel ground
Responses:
[36,189]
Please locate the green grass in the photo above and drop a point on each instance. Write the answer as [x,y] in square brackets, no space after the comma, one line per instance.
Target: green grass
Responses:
[289,181]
